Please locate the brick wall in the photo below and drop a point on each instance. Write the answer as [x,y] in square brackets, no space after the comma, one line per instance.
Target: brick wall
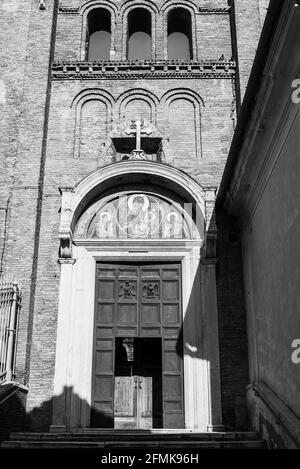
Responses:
[12,67]
[25,60]
[248,23]
[232,324]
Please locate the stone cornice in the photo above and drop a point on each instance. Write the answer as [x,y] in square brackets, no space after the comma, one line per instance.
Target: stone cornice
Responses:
[72,70]
[68,10]
[202,10]
[213,11]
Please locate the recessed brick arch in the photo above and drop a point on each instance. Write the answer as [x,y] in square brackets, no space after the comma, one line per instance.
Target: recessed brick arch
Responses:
[85,10]
[192,9]
[185,94]
[88,92]
[148,3]
[127,7]
[138,94]
[175,4]
[86,7]
[84,97]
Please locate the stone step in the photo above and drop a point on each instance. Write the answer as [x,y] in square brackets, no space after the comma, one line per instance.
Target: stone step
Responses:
[115,440]
[132,445]
[134,435]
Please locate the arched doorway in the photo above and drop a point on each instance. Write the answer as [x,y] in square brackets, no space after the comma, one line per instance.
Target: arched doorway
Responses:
[131,239]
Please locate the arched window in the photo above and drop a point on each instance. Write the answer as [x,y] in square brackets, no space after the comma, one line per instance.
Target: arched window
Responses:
[180,35]
[99,34]
[139,35]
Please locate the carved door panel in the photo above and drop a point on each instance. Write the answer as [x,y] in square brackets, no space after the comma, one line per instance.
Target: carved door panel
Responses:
[141,303]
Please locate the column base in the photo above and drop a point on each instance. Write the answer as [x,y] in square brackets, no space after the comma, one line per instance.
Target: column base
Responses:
[57,429]
[215,428]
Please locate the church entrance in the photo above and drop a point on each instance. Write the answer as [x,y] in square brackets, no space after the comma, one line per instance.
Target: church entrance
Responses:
[137,343]
[138,364]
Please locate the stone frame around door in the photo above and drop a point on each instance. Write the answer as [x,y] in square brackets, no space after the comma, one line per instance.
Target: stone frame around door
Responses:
[78,258]
[76,322]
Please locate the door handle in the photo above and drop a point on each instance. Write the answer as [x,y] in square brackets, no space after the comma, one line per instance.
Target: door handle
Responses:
[140,384]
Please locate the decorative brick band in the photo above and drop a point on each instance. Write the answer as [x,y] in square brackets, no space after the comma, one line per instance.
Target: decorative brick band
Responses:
[143,70]
[202,10]
[213,11]
[68,10]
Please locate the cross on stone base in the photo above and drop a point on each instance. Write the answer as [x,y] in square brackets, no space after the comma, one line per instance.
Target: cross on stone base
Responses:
[138,127]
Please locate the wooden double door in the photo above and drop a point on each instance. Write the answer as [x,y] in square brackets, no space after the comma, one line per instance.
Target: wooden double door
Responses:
[138,363]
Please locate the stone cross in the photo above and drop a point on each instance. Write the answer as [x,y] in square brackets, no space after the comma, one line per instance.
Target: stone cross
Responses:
[138,127]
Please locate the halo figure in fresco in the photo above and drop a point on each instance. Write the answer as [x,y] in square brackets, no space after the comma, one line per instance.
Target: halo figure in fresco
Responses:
[140,221]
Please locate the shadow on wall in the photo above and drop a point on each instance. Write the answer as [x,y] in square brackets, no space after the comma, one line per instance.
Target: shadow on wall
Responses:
[12,408]
[40,418]
[14,419]
[232,329]
[232,324]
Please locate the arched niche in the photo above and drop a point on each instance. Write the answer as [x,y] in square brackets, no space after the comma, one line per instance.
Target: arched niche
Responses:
[92,110]
[180,27]
[98,34]
[139,29]
[99,19]
[180,37]
[183,104]
[139,46]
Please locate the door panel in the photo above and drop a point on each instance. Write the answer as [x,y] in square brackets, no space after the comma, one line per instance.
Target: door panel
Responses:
[138,301]
[173,406]
[125,404]
[125,396]
[103,384]
[173,399]
[144,403]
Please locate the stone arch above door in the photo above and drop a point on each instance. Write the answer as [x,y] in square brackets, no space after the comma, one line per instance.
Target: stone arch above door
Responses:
[168,188]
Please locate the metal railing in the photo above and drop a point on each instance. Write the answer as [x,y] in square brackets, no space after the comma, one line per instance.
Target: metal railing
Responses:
[10,303]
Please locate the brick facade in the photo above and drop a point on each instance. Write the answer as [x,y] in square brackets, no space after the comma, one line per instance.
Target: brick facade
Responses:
[59,122]
[232,324]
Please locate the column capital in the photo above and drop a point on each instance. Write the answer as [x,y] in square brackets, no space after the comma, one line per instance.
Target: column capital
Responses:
[65,260]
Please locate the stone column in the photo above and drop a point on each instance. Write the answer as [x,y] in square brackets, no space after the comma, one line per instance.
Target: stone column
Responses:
[212,352]
[212,346]
[60,413]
